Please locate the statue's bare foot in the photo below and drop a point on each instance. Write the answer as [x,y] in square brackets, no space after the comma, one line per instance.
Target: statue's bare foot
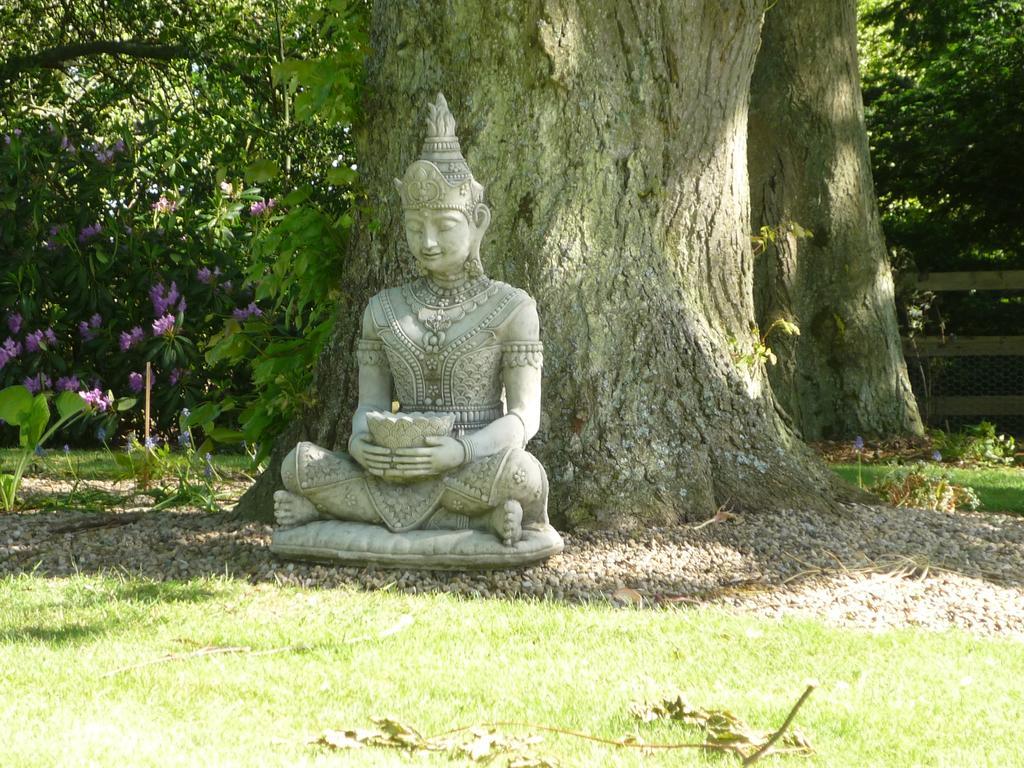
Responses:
[507,522]
[292,509]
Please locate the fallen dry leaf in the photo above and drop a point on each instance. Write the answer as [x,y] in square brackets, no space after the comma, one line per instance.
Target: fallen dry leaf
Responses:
[628,596]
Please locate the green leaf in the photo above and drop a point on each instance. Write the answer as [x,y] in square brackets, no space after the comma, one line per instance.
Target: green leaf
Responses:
[262,170]
[125,404]
[225,435]
[15,405]
[297,196]
[68,404]
[38,419]
[341,176]
[202,414]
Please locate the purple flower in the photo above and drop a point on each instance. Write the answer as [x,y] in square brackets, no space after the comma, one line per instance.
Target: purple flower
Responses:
[152,442]
[260,207]
[185,439]
[51,244]
[208,468]
[87,233]
[858,443]
[67,449]
[204,275]
[16,131]
[33,340]
[68,384]
[228,285]
[66,145]
[244,313]
[163,326]
[101,433]
[163,205]
[85,331]
[7,138]
[37,383]
[119,145]
[130,339]
[12,347]
[96,399]
[135,381]
[936,456]
[4,358]
[50,336]
[175,376]
[96,320]
[164,299]
[14,321]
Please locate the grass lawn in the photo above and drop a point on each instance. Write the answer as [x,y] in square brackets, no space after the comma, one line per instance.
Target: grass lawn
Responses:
[98,464]
[1000,489]
[902,698]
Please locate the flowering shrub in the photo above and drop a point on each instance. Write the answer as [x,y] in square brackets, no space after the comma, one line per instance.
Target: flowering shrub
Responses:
[133,235]
[96,283]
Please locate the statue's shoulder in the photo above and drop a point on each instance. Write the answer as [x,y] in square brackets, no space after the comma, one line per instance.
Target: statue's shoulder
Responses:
[519,320]
[377,308]
[515,297]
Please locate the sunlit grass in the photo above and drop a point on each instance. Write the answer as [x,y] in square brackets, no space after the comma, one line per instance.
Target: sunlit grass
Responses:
[899,698]
[100,465]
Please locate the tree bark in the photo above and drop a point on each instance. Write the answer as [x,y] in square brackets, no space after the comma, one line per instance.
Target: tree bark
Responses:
[611,137]
[809,164]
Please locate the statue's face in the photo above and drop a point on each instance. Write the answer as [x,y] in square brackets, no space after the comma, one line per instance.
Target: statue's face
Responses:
[440,240]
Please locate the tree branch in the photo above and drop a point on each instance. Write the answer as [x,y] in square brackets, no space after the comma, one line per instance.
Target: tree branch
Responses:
[54,58]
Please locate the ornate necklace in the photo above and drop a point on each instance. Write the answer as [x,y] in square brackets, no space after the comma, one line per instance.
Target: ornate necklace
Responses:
[435,297]
[443,306]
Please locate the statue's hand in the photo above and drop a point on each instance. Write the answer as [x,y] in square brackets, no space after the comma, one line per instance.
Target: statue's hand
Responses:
[375,458]
[440,455]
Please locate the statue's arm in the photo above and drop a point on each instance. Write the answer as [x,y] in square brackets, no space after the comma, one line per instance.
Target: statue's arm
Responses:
[522,360]
[374,374]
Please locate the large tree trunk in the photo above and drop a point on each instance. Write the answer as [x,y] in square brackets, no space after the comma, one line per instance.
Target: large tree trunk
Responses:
[809,164]
[611,137]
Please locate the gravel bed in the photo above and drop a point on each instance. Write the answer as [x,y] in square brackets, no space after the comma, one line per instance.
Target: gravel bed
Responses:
[872,567]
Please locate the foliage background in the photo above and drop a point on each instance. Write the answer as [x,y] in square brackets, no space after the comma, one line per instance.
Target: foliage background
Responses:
[123,172]
[942,90]
[223,105]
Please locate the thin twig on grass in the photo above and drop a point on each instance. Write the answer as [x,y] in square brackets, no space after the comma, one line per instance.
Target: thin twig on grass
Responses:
[209,650]
[590,737]
[763,749]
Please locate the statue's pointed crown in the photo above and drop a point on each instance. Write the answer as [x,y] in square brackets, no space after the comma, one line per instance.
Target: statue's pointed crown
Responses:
[441,178]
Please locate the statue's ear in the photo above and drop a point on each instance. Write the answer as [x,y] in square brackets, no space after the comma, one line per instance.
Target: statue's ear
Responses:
[481,217]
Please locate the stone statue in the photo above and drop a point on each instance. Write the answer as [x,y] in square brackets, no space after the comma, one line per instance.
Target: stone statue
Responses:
[446,482]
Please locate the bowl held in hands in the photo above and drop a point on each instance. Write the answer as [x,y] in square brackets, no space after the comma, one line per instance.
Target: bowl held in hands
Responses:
[407,430]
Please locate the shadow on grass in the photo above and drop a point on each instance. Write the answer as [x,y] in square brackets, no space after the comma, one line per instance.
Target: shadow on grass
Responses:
[163,591]
[70,634]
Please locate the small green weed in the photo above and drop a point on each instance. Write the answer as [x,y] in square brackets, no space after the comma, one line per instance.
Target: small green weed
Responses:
[925,486]
[978,444]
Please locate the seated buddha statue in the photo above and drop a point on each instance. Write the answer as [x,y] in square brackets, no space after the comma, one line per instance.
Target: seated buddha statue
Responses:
[453,341]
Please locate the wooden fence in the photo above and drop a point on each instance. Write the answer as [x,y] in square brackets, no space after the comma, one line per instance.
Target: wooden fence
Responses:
[968,346]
